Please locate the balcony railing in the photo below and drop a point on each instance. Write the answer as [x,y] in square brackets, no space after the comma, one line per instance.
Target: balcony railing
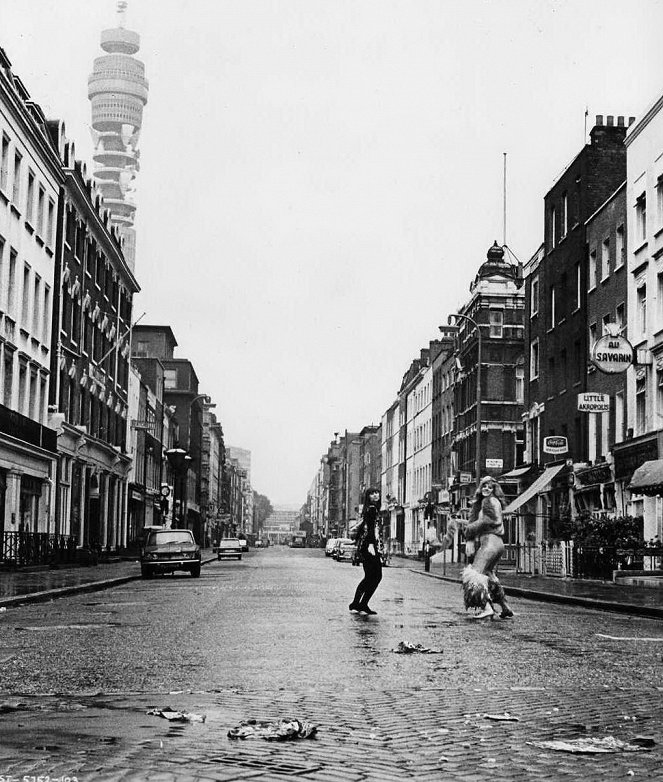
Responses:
[37,548]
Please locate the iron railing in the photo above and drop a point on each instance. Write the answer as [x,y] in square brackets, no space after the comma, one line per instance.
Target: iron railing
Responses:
[37,548]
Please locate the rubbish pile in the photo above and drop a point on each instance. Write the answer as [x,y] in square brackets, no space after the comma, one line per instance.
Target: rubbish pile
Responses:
[281,730]
[404,647]
[596,746]
[176,716]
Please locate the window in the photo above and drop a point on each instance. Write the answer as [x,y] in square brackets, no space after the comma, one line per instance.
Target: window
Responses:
[620,318]
[640,405]
[592,335]
[620,249]
[9,378]
[4,163]
[36,309]
[565,214]
[29,205]
[659,299]
[25,310]
[496,321]
[11,283]
[520,384]
[170,378]
[641,309]
[577,368]
[605,259]
[553,227]
[50,228]
[641,218]
[16,186]
[47,315]
[552,307]
[577,305]
[40,211]
[619,417]
[534,360]
[592,270]
[534,302]
[22,386]
[659,201]
[605,320]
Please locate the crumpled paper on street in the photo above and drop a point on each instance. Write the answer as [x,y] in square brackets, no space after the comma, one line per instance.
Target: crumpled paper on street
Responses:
[176,716]
[505,717]
[590,746]
[280,730]
[404,647]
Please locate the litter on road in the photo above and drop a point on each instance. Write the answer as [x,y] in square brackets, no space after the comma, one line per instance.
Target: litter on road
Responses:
[590,746]
[176,716]
[506,717]
[629,638]
[281,730]
[404,647]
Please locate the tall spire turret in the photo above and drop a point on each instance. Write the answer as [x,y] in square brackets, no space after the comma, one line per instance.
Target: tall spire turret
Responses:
[117,89]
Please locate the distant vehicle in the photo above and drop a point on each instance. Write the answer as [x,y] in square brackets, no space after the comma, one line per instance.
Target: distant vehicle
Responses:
[298,540]
[341,543]
[259,543]
[329,547]
[244,543]
[167,550]
[228,547]
[345,550]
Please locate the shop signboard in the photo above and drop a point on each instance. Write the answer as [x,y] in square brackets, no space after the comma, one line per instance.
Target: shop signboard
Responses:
[612,354]
[555,444]
[590,402]
[494,464]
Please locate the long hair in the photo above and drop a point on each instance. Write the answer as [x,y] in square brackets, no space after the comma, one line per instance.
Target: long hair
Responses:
[369,507]
[478,496]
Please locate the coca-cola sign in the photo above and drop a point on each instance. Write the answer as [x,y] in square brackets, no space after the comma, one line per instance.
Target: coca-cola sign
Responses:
[555,444]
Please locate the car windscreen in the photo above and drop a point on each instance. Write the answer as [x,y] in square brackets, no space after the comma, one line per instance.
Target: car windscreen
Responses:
[170,536]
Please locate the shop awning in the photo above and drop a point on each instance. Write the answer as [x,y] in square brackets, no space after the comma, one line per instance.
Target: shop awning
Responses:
[541,484]
[516,473]
[648,478]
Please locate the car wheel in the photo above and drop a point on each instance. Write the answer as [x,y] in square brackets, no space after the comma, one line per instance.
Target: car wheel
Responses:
[195,571]
[145,571]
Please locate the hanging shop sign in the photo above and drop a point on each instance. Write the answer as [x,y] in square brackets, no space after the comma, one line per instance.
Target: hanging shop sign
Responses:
[465,477]
[612,354]
[555,444]
[593,403]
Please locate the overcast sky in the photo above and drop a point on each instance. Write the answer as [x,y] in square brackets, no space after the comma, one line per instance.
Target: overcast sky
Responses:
[320,179]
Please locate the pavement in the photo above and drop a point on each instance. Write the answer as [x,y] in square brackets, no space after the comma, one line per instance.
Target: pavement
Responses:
[31,585]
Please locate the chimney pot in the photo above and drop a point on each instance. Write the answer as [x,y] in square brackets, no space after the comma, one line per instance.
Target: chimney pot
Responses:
[599,119]
[620,122]
[611,120]
[631,120]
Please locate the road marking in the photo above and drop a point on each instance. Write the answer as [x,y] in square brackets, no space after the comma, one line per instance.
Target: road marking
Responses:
[629,638]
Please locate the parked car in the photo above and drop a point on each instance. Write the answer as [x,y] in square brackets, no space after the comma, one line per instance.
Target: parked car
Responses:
[229,547]
[243,542]
[259,544]
[337,547]
[329,547]
[167,550]
[345,550]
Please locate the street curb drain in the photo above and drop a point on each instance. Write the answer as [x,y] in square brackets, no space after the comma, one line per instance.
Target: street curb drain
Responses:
[264,764]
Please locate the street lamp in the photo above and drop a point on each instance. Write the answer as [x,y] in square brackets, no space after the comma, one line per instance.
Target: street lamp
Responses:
[451,320]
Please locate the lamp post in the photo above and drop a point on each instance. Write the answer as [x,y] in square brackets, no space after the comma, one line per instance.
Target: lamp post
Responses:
[451,321]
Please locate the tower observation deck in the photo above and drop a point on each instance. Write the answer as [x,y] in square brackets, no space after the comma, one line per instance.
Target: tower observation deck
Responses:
[117,89]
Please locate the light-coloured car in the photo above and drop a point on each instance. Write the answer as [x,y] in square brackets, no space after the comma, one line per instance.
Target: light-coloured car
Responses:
[228,547]
[330,546]
[167,550]
[344,550]
[243,542]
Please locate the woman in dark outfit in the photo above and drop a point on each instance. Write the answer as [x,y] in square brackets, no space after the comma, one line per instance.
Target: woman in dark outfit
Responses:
[368,552]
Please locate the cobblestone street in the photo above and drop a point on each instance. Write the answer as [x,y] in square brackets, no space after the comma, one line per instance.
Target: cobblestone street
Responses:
[271,637]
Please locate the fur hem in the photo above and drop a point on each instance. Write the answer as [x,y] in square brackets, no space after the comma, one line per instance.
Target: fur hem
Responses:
[475,588]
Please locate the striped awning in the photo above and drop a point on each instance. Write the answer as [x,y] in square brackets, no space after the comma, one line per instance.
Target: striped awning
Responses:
[540,485]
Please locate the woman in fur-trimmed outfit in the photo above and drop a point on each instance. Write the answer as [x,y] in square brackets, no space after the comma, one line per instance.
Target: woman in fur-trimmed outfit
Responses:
[481,589]
[369,544]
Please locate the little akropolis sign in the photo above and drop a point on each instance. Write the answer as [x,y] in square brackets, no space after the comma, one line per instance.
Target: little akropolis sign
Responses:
[612,354]
[590,402]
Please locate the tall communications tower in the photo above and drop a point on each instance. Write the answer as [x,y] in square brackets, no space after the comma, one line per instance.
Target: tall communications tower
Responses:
[117,89]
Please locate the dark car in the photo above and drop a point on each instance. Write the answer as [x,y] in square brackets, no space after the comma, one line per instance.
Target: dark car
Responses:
[167,550]
[228,547]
